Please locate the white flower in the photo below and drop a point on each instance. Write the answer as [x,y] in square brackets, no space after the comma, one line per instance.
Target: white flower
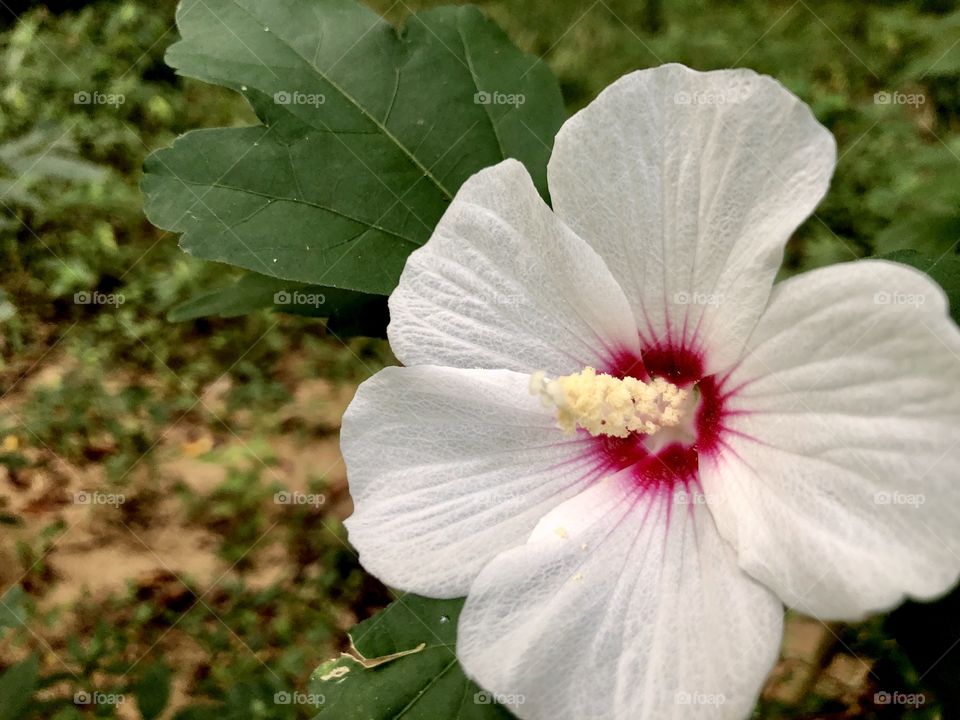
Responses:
[642,576]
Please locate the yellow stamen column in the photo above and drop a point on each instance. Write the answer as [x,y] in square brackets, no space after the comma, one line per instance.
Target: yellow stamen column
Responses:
[605,405]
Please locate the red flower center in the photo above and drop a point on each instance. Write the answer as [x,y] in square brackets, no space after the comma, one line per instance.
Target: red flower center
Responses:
[657,465]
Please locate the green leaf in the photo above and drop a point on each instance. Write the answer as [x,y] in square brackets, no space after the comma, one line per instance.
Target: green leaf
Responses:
[367,134]
[12,610]
[48,153]
[404,663]
[7,308]
[153,691]
[928,234]
[945,270]
[35,159]
[348,313]
[17,685]
[250,292]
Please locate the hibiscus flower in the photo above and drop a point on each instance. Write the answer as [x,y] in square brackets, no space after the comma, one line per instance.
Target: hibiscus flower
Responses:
[624,444]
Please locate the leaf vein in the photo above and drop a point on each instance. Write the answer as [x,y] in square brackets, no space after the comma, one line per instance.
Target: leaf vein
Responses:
[363,111]
[295,201]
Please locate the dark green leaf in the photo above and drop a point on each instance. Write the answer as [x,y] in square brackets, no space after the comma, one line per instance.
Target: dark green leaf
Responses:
[348,313]
[17,685]
[153,690]
[410,668]
[367,134]
[928,633]
[251,292]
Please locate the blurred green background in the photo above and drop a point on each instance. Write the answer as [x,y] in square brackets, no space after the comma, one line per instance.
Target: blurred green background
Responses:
[196,594]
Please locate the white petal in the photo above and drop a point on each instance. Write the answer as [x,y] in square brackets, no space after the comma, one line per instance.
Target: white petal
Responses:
[621,607]
[449,467]
[502,283]
[689,184]
[838,481]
